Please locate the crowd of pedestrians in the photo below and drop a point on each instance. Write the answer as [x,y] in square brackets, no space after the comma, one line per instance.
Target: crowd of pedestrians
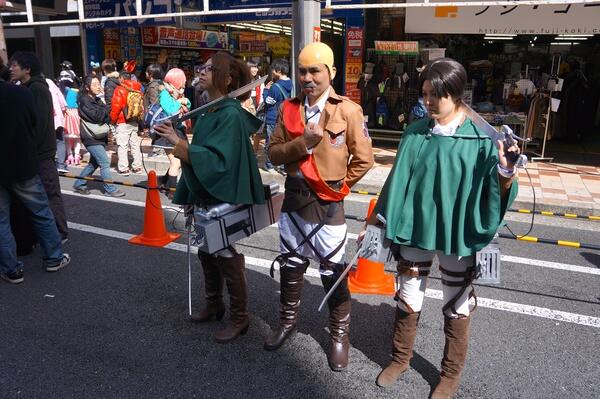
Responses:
[72,114]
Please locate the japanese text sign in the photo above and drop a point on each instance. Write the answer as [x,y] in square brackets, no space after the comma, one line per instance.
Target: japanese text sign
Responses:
[553,19]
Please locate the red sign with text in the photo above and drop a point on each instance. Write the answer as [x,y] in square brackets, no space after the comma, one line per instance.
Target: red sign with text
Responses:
[354,54]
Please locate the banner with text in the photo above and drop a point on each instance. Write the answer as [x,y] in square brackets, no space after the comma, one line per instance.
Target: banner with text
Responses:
[396,48]
[165,36]
[116,8]
[354,52]
[558,19]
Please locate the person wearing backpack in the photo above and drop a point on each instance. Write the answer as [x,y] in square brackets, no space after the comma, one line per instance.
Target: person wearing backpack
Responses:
[154,76]
[279,89]
[126,112]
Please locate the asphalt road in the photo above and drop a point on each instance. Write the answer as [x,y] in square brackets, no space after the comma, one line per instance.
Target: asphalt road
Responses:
[114,323]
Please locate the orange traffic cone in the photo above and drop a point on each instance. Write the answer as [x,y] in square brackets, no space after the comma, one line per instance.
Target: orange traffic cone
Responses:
[155,234]
[369,277]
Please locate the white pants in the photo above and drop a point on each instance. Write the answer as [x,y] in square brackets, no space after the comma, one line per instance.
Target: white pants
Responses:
[128,139]
[325,241]
[413,280]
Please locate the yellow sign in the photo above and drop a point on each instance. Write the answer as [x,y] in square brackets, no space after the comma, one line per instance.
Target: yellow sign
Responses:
[384,47]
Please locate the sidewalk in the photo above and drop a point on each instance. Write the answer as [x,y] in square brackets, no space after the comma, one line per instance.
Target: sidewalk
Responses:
[560,188]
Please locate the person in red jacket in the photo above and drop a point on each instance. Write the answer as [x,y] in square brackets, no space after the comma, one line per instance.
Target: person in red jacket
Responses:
[126,133]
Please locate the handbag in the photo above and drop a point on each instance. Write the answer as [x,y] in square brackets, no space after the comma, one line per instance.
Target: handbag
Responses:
[95,130]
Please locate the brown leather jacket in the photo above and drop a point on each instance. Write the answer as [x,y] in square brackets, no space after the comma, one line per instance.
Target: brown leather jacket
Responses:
[344,153]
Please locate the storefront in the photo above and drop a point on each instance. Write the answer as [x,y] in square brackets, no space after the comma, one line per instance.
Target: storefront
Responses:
[184,41]
[514,56]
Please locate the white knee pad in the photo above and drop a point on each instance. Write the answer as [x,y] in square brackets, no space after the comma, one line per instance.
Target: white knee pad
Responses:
[411,293]
[457,274]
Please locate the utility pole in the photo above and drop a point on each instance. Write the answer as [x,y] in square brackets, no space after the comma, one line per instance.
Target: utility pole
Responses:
[306,27]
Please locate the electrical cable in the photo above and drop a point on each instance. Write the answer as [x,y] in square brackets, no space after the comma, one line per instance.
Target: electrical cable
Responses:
[532,213]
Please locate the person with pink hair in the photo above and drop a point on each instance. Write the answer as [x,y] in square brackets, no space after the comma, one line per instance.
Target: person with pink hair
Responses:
[172,101]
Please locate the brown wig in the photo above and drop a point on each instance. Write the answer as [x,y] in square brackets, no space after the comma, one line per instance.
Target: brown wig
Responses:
[225,66]
[447,76]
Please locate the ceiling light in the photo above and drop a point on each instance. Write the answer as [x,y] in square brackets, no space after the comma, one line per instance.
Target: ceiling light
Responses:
[571,38]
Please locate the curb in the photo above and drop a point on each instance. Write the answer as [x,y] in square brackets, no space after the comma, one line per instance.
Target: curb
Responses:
[577,209]
[162,165]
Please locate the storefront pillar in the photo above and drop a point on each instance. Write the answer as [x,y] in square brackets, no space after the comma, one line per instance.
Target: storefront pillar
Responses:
[43,47]
[306,22]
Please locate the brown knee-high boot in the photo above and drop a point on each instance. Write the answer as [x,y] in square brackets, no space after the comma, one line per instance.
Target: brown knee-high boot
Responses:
[291,283]
[455,353]
[339,322]
[405,331]
[213,286]
[235,277]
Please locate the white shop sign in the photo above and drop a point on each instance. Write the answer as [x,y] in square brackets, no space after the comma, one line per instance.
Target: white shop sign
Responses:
[559,19]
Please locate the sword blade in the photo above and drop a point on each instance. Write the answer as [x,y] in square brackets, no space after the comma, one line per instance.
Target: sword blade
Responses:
[339,280]
[176,119]
[481,123]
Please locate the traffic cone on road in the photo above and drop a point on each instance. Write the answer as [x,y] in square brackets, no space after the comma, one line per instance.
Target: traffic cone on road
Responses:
[369,277]
[155,233]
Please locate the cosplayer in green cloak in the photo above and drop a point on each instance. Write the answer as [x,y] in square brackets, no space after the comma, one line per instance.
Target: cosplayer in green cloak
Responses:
[445,198]
[223,167]
[219,166]
[443,192]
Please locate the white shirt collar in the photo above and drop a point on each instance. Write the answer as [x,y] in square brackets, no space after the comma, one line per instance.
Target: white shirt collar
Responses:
[320,104]
[448,129]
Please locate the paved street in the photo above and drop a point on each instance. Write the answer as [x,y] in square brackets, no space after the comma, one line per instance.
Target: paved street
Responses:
[114,323]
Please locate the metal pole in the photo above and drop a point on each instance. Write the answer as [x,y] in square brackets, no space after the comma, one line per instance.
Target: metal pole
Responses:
[84,49]
[306,16]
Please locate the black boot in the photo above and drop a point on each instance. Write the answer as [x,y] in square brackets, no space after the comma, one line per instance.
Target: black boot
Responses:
[291,282]
[171,184]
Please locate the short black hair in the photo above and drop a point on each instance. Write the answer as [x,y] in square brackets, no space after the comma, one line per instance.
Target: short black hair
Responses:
[109,65]
[155,71]
[27,60]
[447,76]
[280,65]
[125,75]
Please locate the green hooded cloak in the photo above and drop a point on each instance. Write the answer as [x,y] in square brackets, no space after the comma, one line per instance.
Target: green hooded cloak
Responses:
[223,166]
[443,192]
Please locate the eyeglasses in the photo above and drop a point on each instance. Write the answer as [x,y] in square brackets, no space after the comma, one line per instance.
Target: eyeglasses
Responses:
[205,68]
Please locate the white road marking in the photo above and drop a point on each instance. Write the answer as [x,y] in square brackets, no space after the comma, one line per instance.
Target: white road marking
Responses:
[550,265]
[512,307]
[105,198]
[353,236]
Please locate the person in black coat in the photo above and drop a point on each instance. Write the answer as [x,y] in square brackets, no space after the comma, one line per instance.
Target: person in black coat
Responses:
[109,68]
[25,67]
[93,111]
[19,178]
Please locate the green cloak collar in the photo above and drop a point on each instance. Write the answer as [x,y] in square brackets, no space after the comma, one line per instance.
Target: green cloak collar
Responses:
[223,165]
